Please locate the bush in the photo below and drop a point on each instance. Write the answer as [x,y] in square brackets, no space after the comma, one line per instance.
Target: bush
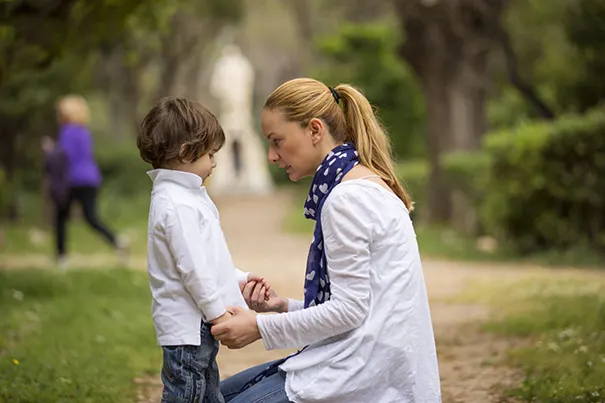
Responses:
[544,188]
[124,173]
[468,171]
[414,175]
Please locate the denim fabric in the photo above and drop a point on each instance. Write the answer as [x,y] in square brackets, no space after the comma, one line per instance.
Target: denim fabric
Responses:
[190,373]
[269,390]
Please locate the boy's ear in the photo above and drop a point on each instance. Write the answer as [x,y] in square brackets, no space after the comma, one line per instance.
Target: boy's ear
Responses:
[185,154]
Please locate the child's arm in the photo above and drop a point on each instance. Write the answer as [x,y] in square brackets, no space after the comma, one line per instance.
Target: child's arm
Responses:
[244,278]
[241,276]
[190,241]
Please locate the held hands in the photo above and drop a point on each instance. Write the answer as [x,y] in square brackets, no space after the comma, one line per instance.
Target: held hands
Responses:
[239,330]
[253,278]
[261,299]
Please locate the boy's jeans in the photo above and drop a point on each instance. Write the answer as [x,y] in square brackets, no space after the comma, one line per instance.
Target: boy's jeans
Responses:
[190,373]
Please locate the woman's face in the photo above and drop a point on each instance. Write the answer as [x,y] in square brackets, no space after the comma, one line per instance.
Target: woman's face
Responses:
[292,147]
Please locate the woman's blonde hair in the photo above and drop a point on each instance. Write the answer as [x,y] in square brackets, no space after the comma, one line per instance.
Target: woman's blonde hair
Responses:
[73,108]
[303,99]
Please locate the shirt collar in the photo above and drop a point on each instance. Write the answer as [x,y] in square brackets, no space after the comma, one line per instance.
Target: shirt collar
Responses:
[185,179]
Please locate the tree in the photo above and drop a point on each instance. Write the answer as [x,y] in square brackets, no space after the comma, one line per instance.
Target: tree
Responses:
[584,25]
[38,41]
[447,44]
[366,56]
[170,39]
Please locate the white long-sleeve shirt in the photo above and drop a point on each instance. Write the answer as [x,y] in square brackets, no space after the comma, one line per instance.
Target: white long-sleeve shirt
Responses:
[191,274]
[373,340]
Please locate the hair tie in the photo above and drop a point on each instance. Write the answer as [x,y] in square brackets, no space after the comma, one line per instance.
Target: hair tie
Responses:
[334,94]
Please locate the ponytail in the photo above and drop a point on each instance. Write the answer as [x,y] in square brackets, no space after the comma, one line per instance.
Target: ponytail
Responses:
[370,139]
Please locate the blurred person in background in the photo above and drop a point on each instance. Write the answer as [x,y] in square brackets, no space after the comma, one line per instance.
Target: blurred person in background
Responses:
[55,185]
[83,177]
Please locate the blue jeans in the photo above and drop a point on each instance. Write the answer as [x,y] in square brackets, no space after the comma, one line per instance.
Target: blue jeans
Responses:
[190,373]
[269,390]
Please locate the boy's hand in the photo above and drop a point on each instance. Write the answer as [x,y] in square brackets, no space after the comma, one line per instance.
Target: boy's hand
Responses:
[255,296]
[253,278]
[223,318]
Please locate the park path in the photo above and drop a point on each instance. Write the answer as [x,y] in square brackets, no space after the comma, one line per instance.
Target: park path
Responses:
[469,360]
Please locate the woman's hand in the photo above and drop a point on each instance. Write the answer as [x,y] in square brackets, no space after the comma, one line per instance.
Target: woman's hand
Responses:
[239,330]
[255,295]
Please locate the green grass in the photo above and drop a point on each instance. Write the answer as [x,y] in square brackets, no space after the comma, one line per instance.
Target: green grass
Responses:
[81,336]
[32,234]
[563,322]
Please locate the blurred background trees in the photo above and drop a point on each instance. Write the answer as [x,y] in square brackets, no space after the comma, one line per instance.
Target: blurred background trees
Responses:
[493,106]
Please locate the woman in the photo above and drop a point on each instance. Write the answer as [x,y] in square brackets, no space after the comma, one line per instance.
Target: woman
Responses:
[83,174]
[365,323]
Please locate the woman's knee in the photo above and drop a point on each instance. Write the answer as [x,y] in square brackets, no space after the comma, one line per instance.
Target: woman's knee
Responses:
[269,390]
[234,385]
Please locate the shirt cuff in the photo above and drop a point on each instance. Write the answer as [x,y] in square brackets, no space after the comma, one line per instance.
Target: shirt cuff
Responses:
[241,276]
[213,310]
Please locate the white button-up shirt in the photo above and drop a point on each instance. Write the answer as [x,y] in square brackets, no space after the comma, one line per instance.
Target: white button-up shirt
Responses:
[373,340]
[191,274]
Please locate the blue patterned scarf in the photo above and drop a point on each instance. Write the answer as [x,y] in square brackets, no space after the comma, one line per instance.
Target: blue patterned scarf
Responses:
[329,174]
[317,282]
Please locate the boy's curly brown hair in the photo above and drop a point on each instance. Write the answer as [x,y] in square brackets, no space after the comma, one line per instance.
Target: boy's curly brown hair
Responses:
[178,129]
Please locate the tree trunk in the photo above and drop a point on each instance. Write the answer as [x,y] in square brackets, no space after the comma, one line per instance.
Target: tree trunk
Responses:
[438,118]
[467,98]
[8,161]
[447,43]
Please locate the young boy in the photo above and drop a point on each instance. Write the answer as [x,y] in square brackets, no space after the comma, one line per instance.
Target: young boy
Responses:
[191,274]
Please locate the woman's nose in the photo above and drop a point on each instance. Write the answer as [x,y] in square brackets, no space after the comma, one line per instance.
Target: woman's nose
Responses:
[272,155]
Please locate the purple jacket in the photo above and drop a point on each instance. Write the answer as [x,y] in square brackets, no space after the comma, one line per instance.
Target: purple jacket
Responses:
[76,142]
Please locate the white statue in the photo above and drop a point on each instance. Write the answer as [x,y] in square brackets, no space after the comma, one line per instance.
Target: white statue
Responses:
[242,163]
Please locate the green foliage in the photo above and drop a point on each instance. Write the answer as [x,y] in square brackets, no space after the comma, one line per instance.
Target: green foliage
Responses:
[123,170]
[563,322]
[584,24]
[468,171]
[38,38]
[546,36]
[76,337]
[365,55]
[414,176]
[545,185]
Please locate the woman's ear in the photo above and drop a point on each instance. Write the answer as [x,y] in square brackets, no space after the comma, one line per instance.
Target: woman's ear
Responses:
[317,128]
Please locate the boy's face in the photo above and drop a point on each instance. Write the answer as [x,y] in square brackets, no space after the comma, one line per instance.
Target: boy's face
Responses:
[202,167]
